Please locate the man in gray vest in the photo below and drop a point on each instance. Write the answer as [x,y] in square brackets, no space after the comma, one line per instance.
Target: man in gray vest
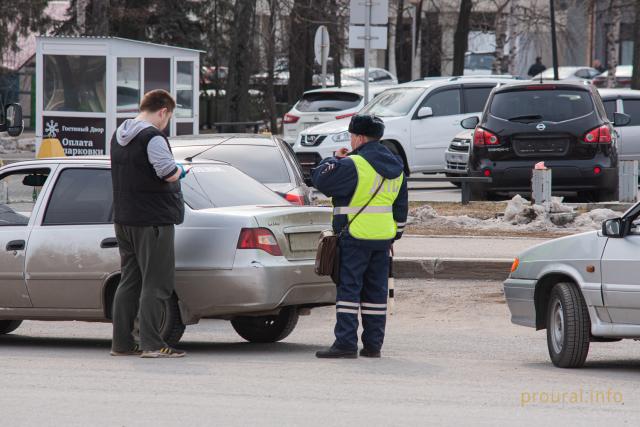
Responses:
[147,203]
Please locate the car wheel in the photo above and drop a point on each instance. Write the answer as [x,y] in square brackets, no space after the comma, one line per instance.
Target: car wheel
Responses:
[477,193]
[172,328]
[451,175]
[264,329]
[568,326]
[8,326]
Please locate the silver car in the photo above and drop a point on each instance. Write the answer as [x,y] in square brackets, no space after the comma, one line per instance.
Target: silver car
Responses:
[580,288]
[625,101]
[242,254]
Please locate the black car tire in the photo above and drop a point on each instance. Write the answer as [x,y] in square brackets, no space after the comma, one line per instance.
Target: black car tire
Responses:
[8,326]
[477,192]
[568,326]
[266,329]
[451,175]
[172,327]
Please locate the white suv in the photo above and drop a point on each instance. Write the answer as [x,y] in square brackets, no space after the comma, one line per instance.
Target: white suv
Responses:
[323,105]
[421,118]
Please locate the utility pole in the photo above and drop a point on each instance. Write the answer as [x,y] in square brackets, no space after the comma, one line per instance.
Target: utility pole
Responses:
[554,44]
[367,47]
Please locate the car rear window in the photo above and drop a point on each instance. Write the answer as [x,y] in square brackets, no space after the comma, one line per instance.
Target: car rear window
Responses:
[262,163]
[545,105]
[219,186]
[327,101]
[632,108]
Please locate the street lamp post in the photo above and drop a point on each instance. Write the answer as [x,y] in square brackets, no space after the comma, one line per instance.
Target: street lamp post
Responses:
[554,44]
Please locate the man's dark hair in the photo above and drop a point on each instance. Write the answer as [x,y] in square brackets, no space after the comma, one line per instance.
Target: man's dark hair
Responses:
[156,100]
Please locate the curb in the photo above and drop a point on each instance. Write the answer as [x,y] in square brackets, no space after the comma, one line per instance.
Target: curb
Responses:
[451,268]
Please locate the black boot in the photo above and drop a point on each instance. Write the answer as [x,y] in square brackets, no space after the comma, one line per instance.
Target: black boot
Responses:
[365,352]
[336,353]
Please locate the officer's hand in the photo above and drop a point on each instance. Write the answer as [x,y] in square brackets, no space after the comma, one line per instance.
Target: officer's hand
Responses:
[341,153]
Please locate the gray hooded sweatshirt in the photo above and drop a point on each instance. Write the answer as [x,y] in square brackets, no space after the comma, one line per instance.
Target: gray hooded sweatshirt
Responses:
[157,150]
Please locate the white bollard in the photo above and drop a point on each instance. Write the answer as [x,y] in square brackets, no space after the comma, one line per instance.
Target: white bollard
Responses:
[628,181]
[541,187]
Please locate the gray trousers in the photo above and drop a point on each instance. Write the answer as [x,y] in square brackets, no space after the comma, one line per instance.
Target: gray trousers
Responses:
[147,281]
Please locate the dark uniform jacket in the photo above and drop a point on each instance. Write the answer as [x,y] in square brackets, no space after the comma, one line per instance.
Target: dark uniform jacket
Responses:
[338,178]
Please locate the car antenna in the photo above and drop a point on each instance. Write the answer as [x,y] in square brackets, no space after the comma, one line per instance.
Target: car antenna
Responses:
[190,159]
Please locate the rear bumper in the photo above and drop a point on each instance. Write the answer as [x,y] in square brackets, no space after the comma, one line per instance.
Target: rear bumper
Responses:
[566,175]
[251,286]
[519,294]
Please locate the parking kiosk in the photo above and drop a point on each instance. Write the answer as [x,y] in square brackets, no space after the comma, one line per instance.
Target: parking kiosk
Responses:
[87,86]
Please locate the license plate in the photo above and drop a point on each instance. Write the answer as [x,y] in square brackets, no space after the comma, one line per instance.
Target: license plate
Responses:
[303,241]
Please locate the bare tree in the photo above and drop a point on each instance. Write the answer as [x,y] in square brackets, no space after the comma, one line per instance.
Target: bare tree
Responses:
[613,40]
[269,94]
[461,37]
[501,28]
[237,97]
[635,78]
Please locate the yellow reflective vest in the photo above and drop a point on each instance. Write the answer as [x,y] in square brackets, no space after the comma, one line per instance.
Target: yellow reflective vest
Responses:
[376,221]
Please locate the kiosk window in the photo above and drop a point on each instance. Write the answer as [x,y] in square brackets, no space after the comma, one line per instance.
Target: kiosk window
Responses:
[128,85]
[74,83]
[157,74]
[184,89]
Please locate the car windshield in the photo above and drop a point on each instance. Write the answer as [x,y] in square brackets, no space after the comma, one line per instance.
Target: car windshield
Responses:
[394,102]
[479,61]
[563,73]
[317,102]
[541,105]
[218,186]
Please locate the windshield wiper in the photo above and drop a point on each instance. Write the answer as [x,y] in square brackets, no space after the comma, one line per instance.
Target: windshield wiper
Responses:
[525,117]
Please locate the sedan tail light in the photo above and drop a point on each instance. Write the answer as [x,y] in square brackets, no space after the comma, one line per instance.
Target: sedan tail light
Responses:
[259,238]
[294,197]
[482,137]
[290,118]
[599,135]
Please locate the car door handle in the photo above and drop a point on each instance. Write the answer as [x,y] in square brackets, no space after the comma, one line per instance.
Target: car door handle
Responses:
[15,245]
[109,242]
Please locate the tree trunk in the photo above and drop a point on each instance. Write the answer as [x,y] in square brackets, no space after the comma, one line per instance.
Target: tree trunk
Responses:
[461,37]
[417,71]
[502,61]
[336,30]
[300,50]
[613,38]
[402,48]
[99,18]
[269,93]
[237,96]
[635,78]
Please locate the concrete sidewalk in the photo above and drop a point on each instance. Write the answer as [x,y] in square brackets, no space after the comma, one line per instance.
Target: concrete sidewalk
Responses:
[458,257]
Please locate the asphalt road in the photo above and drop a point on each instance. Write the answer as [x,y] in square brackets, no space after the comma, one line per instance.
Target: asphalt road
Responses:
[463,246]
[451,358]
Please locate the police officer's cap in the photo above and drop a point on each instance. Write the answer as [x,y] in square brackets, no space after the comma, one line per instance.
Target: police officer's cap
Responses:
[367,124]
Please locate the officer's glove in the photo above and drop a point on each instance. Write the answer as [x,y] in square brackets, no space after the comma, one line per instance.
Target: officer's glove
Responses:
[183,170]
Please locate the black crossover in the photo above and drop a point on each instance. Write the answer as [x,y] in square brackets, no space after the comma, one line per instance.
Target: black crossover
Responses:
[563,124]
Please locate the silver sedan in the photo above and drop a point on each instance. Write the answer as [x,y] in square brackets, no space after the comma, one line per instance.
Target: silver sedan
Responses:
[242,254]
[580,288]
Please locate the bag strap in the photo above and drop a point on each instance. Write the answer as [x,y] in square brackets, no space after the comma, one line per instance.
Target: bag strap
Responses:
[362,208]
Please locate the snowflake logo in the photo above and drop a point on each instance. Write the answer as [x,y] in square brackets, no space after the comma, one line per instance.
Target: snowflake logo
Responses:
[51,129]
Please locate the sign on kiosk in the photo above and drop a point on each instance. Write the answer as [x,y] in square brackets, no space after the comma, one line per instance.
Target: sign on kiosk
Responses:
[87,86]
[78,136]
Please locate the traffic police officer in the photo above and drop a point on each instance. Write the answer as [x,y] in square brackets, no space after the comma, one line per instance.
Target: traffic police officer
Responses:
[370,175]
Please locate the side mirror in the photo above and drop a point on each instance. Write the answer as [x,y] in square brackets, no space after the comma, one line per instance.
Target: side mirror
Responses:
[613,228]
[470,122]
[425,112]
[13,122]
[621,119]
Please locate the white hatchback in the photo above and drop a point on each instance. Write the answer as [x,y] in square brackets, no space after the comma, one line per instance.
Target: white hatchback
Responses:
[323,105]
[421,119]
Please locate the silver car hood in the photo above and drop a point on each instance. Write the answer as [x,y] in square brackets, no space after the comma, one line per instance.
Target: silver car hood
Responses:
[566,254]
